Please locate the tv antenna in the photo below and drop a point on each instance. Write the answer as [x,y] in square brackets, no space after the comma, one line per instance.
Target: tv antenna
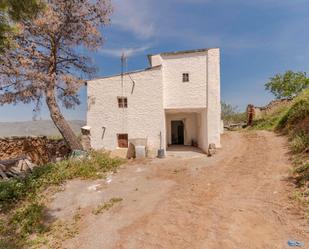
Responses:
[124,69]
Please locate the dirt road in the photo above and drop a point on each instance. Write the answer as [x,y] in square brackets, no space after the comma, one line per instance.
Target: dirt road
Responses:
[237,199]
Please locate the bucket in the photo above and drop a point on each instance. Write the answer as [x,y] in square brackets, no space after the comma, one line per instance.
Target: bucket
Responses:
[140,152]
[161,153]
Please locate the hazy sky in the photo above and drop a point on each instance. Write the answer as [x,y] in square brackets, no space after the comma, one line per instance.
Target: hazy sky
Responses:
[258,38]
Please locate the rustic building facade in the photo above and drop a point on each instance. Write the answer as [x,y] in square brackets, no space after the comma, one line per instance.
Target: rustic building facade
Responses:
[174,101]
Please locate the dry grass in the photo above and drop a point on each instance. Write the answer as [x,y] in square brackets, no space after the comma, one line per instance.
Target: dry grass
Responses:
[106,206]
[23,201]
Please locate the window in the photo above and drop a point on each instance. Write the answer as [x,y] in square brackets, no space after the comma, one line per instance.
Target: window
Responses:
[122,140]
[185,77]
[122,102]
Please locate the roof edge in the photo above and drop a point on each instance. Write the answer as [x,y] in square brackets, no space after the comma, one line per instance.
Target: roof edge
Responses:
[191,51]
[126,73]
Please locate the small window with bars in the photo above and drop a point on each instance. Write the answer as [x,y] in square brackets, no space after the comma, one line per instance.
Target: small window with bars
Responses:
[185,77]
[122,102]
[122,140]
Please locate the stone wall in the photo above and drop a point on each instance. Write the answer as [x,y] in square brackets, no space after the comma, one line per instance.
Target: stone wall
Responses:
[41,150]
[259,112]
[272,106]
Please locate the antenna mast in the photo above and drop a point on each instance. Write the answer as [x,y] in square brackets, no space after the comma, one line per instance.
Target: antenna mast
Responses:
[123,61]
[123,58]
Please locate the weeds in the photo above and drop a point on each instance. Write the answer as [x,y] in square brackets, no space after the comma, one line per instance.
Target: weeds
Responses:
[24,221]
[106,206]
[266,123]
[29,219]
[21,200]
[298,112]
[299,142]
[302,174]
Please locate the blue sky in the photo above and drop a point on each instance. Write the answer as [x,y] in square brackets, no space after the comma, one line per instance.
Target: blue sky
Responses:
[257,38]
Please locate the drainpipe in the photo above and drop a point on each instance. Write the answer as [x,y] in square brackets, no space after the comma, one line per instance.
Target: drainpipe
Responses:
[207,100]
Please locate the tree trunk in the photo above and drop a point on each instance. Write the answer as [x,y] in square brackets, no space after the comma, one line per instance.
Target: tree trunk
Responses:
[60,122]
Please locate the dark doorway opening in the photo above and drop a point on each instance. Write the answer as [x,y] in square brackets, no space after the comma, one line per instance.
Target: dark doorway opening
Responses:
[122,140]
[178,132]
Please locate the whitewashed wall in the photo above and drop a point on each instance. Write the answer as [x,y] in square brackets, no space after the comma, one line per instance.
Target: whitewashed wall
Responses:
[157,90]
[202,130]
[213,98]
[178,94]
[155,60]
[144,117]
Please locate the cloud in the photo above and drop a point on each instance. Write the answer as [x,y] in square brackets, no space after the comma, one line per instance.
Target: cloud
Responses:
[129,52]
[134,16]
[165,20]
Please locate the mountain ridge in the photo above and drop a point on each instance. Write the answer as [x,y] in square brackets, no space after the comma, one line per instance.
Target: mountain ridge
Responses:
[36,128]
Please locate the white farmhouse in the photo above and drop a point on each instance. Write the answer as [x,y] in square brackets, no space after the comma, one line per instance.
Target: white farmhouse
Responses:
[174,101]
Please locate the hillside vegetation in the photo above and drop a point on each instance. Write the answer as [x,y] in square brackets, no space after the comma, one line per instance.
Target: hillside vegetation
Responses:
[292,119]
[295,123]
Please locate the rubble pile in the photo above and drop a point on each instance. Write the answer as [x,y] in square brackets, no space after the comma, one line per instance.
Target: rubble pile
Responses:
[17,167]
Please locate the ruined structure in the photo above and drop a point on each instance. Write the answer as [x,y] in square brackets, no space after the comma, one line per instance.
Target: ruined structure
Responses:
[255,112]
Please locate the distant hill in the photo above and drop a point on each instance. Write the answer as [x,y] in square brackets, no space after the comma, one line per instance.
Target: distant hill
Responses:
[35,128]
